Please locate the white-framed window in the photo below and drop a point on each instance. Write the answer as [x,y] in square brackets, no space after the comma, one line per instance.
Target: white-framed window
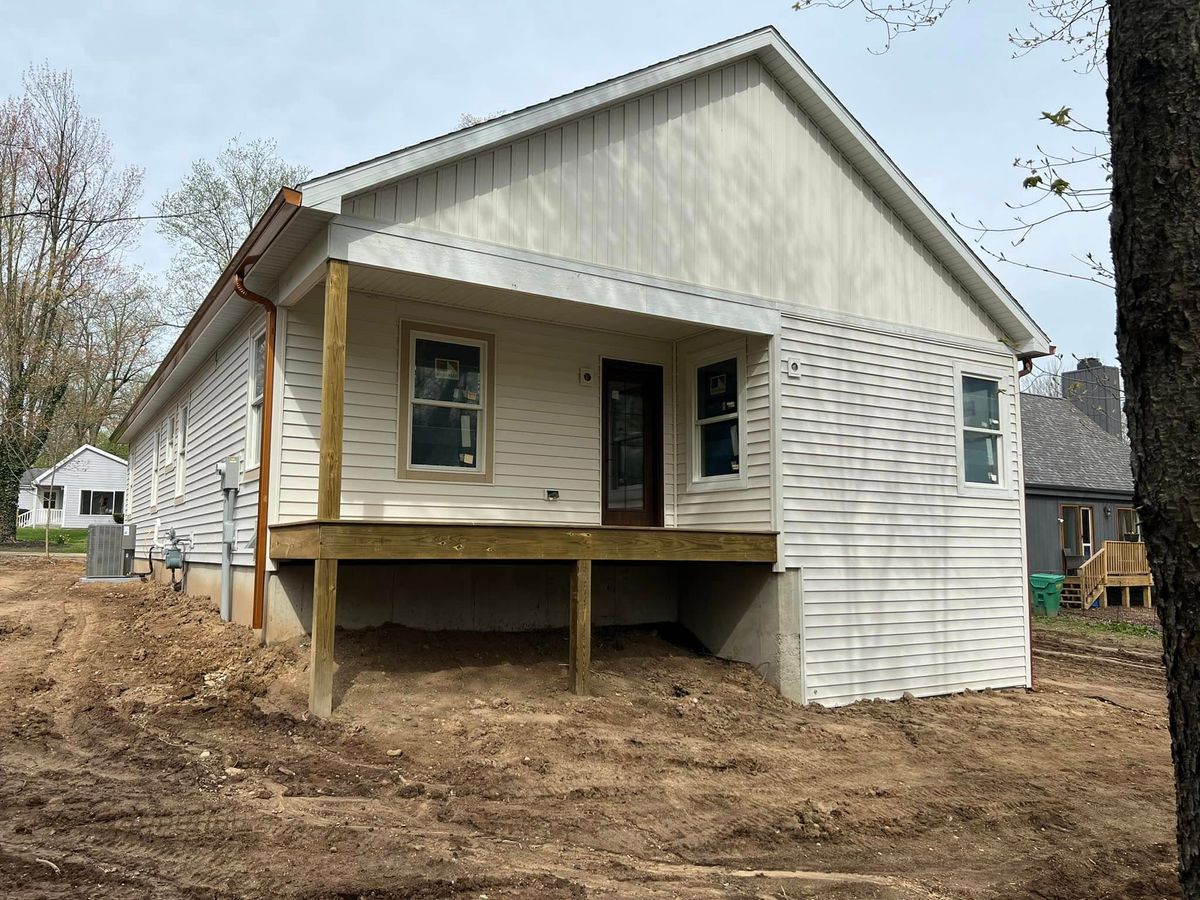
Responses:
[50,497]
[718,418]
[154,468]
[169,447]
[179,440]
[256,388]
[101,503]
[981,434]
[446,403]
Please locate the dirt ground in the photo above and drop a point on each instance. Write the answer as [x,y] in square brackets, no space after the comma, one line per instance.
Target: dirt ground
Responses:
[148,751]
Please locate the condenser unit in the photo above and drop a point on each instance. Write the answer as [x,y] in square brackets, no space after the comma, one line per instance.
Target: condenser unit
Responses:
[110,550]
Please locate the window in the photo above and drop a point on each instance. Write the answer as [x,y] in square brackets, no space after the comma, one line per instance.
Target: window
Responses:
[446,390]
[981,438]
[50,498]
[172,424]
[1129,526]
[717,420]
[101,503]
[258,375]
[179,439]
[1075,526]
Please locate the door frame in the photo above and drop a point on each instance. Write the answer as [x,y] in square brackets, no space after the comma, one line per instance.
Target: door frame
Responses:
[653,458]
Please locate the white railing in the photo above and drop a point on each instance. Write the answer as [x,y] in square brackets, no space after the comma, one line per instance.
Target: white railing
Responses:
[36,518]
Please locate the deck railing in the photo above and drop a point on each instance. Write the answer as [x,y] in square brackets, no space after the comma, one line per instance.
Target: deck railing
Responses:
[1126,558]
[36,518]
[1092,574]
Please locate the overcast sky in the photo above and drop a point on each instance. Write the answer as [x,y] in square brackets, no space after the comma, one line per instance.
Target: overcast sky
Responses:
[338,83]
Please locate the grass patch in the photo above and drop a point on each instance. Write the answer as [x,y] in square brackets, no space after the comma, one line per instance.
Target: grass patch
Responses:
[62,540]
[1080,625]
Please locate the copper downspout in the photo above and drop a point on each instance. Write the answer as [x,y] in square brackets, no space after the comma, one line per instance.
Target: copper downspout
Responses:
[264,441]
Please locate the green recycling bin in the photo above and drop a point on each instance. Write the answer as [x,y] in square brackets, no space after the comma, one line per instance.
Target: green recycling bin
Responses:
[1047,593]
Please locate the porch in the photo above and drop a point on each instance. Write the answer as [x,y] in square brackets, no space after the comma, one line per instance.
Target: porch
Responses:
[1117,564]
[459,421]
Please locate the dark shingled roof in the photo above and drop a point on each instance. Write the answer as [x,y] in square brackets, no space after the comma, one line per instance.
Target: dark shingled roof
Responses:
[1061,447]
[28,476]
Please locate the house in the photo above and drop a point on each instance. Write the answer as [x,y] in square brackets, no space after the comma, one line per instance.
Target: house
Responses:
[83,488]
[1080,516]
[684,345]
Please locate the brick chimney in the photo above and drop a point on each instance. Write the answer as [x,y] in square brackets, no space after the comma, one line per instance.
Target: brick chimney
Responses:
[1095,389]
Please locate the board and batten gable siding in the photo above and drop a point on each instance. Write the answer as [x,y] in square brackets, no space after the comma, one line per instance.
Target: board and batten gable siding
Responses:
[217,400]
[745,504]
[910,584]
[547,425]
[719,180]
[88,471]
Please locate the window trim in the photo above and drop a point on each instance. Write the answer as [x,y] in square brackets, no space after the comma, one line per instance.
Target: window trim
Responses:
[483,473]
[1005,483]
[154,470]
[697,483]
[252,452]
[179,438]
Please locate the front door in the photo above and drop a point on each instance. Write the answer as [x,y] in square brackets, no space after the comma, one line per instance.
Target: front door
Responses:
[632,435]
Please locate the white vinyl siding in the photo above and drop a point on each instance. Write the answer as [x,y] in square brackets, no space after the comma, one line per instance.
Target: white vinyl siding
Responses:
[718,180]
[907,584]
[746,502]
[547,424]
[216,417]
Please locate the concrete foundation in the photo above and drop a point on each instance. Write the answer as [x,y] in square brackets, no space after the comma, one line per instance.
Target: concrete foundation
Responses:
[750,614]
[739,611]
[471,596]
[204,580]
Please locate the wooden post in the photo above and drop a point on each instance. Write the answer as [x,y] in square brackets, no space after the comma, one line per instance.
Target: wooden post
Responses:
[581,626]
[329,483]
[1125,596]
[1149,601]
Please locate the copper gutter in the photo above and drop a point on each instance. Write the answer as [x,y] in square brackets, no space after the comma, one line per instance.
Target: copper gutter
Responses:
[264,440]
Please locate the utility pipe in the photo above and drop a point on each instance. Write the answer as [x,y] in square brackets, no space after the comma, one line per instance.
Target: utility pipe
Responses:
[264,442]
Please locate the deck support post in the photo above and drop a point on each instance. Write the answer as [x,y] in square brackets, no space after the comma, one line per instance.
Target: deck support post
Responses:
[1125,596]
[329,482]
[581,626]
[1148,601]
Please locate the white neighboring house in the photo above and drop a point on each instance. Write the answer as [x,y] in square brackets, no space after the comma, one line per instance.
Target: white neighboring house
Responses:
[84,488]
[690,325]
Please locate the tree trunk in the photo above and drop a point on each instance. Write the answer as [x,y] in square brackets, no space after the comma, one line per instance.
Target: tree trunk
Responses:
[1154,113]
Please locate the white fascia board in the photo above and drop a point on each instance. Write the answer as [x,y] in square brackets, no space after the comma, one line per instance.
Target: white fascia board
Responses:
[304,272]
[406,249]
[819,103]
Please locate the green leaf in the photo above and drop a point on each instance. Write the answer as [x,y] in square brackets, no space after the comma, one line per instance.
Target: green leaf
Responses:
[1061,118]
[1032,181]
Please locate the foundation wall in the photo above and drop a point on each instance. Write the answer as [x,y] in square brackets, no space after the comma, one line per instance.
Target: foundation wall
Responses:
[204,580]
[471,597]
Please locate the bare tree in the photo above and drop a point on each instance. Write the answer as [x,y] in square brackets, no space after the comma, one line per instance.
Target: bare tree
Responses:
[1046,378]
[1150,51]
[67,213]
[206,219]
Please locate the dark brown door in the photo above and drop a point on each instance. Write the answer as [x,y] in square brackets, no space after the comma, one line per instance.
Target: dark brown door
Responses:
[632,435]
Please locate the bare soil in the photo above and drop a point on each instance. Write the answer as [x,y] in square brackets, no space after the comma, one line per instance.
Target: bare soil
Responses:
[148,751]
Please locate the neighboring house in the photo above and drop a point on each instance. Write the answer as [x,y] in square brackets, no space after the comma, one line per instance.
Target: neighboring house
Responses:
[1079,497]
[684,345]
[86,487]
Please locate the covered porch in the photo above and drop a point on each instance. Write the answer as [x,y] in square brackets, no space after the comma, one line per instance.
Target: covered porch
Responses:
[618,495]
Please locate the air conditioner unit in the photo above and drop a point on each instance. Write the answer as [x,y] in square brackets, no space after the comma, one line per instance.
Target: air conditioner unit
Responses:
[110,550]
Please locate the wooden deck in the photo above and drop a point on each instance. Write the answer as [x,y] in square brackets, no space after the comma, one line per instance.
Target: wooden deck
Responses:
[1118,564]
[357,539]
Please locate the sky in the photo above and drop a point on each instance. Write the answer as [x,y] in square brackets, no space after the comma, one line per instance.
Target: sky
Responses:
[336,83]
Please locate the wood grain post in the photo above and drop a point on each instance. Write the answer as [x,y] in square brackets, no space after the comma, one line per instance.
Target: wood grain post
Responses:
[581,626]
[1125,596]
[329,482]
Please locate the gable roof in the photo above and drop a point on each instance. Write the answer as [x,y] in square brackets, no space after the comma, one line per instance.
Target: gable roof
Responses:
[818,102]
[1063,448]
[78,450]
